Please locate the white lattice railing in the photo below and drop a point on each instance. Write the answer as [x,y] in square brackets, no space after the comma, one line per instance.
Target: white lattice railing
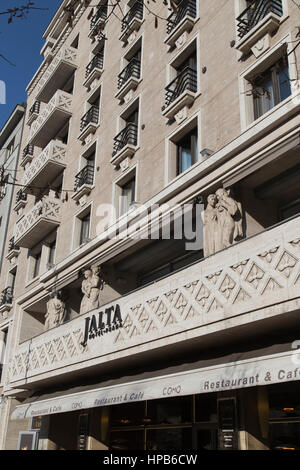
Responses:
[61,101]
[65,54]
[55,151]
[48,208]
[256,276]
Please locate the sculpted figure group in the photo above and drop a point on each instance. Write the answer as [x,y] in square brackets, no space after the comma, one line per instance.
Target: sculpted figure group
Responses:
[90,287]
[222,222]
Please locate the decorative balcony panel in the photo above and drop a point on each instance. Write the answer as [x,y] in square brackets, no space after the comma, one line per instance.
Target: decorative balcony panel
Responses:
[46,166]
[129,78]
[27,155]
[89,122]
[258,19]
[94,69]
[132,21]
[38,222]
[84,181]
[180,92]
[125,144]
[33,112]
[255,280]
[58,73]
[181,22]
[57,112]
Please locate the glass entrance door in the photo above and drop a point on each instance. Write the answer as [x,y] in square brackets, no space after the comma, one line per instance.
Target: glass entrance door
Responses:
[205,437]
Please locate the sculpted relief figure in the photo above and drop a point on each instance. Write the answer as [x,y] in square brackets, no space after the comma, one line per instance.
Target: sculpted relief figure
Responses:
[56,311]
[91,286]
[222,222]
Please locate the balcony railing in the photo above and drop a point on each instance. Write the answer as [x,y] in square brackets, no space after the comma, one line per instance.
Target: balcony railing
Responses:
[228,286]
[128,136]
[91,117]
[12,246]
[42,219]
[186,8]
[101,14]
[132,70]
[21,196]
[136,11]
[84,177]
[255,12]
[35,109]
[95,63]
[6,296]
[28,150]
[186,80]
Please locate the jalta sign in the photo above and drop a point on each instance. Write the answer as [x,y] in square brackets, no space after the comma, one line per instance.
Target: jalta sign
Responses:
[101,323]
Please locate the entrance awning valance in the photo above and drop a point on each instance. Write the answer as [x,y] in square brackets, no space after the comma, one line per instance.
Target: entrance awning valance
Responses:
[275,364]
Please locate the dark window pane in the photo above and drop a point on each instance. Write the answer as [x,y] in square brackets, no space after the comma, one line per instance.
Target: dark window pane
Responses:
[206,408]
[169,439]
[126,440]
[130,414]
[171,411]
[284,83]
[285,436]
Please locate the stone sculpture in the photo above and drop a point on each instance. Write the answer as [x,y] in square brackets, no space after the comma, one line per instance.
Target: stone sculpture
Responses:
[91,286]
[56,311]
[222,222]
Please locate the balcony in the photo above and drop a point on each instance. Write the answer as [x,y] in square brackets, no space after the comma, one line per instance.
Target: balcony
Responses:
[45,167]
[6,300]
[129,78]
[181,22]
[181,92]
[57,73]
[94,69]
[55,115]
[252,282]
[89,123]
[261,17]
[98,21]
[125,144]
[34,112]
[84,181]
[42,219]
[132,21]
[27,155]
[21,201]
[13,251]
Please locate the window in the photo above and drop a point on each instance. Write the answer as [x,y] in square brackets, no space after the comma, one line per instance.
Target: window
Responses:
[271,87]
[37,263]
[187,151]
[184,71]
[51,254]
[85,229]
[10,148]
[127,196]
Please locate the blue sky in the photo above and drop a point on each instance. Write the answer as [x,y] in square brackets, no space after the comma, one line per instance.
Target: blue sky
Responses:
[21,42]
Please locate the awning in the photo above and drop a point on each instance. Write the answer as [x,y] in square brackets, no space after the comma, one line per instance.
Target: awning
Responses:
[275,364]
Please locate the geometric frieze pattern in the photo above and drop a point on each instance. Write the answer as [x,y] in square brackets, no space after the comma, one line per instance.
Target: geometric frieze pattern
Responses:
[264,274]
[46,355]
[66,54]
[182,302]
[55,151]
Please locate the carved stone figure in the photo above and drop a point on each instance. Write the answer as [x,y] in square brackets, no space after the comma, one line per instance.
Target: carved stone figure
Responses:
[90,287]
[222,222]
[210,221]
[56,311]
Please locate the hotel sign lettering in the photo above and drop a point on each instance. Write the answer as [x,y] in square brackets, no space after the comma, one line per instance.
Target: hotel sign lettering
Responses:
[101,323]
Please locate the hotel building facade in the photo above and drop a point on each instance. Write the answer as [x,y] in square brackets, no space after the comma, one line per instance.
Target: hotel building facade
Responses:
[157,278]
